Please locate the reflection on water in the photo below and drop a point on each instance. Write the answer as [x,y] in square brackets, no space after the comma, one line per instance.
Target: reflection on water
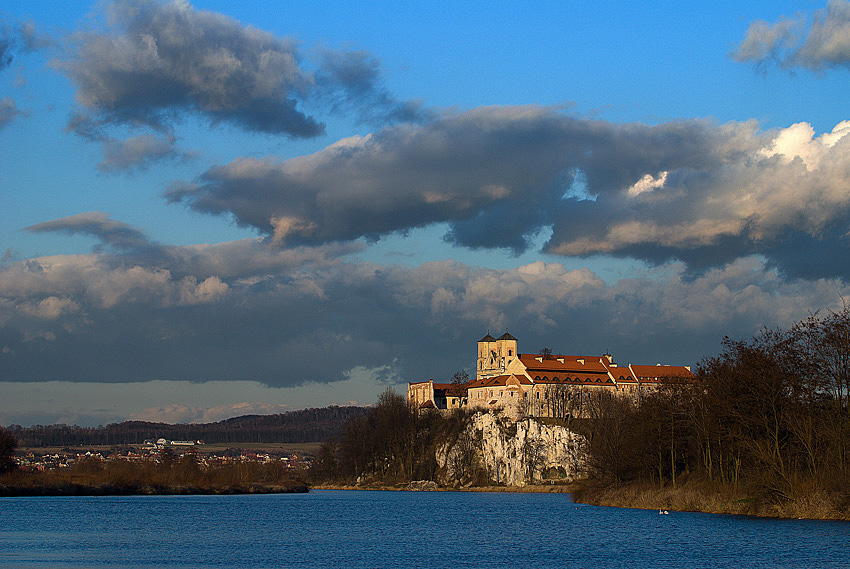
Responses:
[397,529]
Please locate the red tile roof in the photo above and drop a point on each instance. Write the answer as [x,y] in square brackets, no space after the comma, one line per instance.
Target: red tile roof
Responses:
[497,381]
[549,363]
[661,373]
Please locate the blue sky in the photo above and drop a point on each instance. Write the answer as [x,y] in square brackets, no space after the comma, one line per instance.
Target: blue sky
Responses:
[212,209]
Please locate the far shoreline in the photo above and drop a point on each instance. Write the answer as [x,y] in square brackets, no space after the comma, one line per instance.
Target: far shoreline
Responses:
[690,497]
[71,489]
[638,496]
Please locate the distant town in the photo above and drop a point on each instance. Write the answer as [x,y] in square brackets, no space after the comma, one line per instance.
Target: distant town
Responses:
[157,452]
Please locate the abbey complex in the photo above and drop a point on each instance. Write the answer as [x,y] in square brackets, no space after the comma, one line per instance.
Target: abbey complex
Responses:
[540,384]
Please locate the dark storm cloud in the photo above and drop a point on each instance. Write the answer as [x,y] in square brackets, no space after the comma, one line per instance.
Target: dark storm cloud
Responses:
[694,191]
[245,311]
[155,62]
[815,42]
[156,59]
[493,167]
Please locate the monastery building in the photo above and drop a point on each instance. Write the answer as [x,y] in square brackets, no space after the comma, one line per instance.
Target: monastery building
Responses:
[537,383]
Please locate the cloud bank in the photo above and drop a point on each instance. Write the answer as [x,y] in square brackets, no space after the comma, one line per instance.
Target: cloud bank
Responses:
[693,191]
[245,311]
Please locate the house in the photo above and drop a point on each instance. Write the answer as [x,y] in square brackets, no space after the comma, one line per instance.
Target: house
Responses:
[430,395]
[540,384]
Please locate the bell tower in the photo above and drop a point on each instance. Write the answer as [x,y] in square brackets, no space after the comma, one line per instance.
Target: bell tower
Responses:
[506,346]
[486,347]
[494,355]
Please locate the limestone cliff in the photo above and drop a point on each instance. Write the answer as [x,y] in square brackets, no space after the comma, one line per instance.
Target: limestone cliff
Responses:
[511,453]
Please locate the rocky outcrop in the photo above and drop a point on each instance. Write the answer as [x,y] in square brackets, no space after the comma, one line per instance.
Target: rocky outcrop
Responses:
[511,453]
[422,485]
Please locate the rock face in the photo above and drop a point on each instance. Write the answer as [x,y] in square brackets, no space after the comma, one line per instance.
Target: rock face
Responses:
[422,485]
[512,453]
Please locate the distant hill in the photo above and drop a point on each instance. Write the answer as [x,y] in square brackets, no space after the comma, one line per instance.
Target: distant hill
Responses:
[305,426]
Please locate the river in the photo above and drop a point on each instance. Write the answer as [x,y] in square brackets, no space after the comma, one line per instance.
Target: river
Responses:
[336,528]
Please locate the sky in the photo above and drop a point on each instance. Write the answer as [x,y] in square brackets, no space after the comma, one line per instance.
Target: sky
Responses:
[214,209]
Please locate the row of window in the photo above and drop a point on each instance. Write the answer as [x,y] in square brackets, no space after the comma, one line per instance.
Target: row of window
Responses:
[586,379]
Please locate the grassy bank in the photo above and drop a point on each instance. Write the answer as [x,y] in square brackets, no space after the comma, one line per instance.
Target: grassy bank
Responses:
[183,476]
[688,497]
[702,497]
[16,488]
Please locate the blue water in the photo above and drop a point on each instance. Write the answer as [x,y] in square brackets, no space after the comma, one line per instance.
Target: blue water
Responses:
[397,529]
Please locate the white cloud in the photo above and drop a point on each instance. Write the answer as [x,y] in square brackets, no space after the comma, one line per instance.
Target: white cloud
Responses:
[648,183]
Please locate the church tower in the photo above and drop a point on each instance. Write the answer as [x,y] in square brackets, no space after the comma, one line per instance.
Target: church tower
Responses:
[494,355]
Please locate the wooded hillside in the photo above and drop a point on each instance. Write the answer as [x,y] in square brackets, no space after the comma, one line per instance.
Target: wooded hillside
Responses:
[305,426]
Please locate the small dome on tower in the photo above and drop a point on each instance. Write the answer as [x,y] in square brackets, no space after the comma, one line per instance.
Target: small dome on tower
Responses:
[506,336]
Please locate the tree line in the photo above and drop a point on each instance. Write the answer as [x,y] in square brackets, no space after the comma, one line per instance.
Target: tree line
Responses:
[167,474]
[392,444]
[304,426]
[768,417]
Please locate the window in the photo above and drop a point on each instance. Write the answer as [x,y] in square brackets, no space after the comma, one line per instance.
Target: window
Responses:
[510,352]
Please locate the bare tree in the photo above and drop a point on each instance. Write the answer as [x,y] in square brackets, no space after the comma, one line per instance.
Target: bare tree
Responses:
[8,444]
[564,401]
[532,455]
[460,377]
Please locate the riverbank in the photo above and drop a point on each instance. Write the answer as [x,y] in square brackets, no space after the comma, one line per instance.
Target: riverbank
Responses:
[418,486]
[689,497]
[700,497]
[72,489]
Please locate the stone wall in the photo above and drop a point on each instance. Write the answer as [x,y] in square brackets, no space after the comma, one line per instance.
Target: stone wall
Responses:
[513,453]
